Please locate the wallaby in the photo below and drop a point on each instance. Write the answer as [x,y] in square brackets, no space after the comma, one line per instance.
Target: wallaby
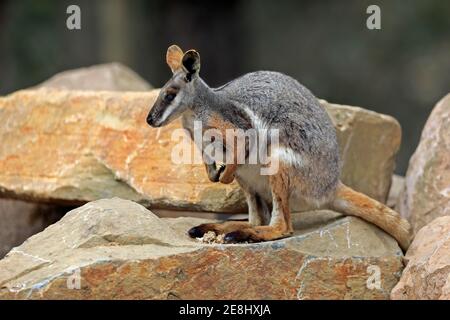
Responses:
[308,152]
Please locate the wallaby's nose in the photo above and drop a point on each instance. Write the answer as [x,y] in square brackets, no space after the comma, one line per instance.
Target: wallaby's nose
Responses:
[150,120]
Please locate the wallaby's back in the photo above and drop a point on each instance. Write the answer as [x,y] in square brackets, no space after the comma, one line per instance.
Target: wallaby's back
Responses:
[276,101]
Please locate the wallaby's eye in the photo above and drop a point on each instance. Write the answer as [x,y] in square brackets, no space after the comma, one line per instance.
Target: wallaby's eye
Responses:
[169,97]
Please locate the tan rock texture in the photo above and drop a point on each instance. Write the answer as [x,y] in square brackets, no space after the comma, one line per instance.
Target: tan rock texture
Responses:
[73,147]
[397,186]
[78,146]
[117,249]
[426,195]
[19,220]
[369,143]
[110,76]
[427,274]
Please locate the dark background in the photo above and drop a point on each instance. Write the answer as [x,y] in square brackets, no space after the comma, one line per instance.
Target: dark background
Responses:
[401,70]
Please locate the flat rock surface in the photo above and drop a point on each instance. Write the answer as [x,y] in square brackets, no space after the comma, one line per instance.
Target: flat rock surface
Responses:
[117,249]
[71,147]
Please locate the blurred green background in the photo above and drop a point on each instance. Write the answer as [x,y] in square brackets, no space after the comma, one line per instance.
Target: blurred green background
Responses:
[401,70]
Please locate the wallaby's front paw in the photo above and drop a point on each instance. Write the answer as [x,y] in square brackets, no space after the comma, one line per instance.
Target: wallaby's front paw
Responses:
[214,172]
[226,176]
[226,179]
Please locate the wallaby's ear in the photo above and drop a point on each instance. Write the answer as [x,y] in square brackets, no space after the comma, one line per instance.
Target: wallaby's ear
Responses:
[174,56]
[191,63]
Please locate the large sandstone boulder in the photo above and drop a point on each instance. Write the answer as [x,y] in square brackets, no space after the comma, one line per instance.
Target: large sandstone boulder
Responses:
[426,195]
[22,219]
[427,274]
[110,76]
[117,249]
[73,147]
[369,142]
[19,220]
[78,146]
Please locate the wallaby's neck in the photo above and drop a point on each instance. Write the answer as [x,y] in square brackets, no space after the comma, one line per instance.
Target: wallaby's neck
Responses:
[205,97]
[208,100]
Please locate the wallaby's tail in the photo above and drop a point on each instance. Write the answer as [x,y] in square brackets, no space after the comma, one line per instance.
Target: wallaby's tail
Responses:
[350,202]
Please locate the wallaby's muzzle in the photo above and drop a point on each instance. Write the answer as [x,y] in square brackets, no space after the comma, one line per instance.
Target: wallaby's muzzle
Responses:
[152,120]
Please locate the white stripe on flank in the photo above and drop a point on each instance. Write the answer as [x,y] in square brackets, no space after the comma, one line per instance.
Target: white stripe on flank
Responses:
[289,156]
[257,122]
[284,154]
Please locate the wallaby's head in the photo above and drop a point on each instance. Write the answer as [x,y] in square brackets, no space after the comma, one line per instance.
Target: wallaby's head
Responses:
[178,93]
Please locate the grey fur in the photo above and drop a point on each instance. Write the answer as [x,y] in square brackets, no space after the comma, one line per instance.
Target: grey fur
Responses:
[282,103]
[279,102]
[307,148]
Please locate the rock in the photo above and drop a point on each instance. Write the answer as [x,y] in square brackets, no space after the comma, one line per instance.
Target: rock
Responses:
[20,220]
[110,76]
[117,249]
[369,142]
[426,195]
[71,147]
[427,274]
[77,146]
[398,183]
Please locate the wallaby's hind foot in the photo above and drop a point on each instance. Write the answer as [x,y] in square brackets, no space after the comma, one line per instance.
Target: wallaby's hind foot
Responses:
[218,228]
[256,234]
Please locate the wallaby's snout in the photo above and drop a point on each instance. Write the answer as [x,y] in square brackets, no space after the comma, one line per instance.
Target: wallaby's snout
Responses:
[154,114]
[151,119]
[155,117]
[165,109]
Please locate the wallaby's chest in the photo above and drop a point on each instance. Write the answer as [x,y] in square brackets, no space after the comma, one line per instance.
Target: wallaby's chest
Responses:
[192,122]
[250,175]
